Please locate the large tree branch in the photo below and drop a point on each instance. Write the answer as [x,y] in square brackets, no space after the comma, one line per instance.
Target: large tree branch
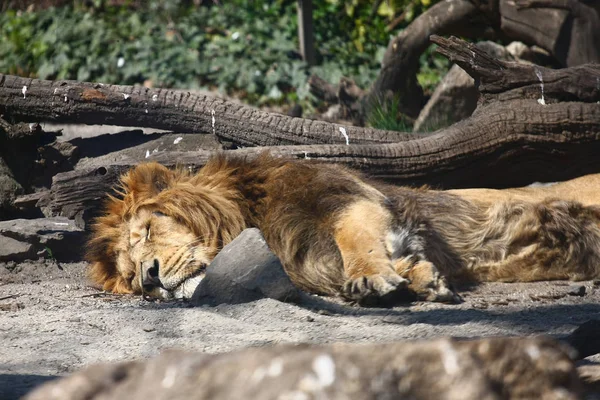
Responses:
[512,139]
[505,81]
[507,145]
[568,29]
[33,100]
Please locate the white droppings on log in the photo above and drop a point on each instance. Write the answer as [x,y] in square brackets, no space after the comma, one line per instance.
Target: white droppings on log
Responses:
[146,111]
[449,358]
[212,114]
[538,73]
[147,153]
[66,100]
[533,352]
[345,135]
[323,376]
[177,140]
[306,157]
[154,97]
[24,91]
[275,368]
[55,90]
[169,379]
[155,150]
[125,96]
[324,367]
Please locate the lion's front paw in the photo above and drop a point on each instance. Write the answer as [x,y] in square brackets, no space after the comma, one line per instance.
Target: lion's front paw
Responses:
[439,290]
[374,289]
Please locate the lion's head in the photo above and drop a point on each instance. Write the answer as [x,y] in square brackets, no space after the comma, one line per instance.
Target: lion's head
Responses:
[161,230]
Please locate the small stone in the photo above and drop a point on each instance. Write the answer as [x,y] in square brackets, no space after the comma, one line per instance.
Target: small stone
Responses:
[148,329]
[310,319]
[577,291]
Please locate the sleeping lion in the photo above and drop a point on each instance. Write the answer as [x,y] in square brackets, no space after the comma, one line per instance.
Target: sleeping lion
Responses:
[337,233]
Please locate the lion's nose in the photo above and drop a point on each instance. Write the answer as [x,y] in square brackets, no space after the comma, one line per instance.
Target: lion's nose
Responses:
[150,278]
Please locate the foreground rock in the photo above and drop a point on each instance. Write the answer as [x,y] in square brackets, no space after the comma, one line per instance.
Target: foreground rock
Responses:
[245,270]
[27,239]
[499,368]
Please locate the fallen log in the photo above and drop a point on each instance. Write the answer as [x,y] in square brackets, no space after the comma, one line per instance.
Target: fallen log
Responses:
[569,30]
[515,137]
[492,368]
[26,99]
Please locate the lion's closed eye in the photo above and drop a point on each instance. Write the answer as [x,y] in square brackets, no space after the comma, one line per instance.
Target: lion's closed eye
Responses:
[136,236]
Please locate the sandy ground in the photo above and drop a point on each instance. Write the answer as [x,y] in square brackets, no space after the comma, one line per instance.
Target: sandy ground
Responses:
[52,322]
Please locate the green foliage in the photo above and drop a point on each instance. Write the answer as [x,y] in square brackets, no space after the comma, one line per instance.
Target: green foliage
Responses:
[384,115]
[247,47]
[432,66]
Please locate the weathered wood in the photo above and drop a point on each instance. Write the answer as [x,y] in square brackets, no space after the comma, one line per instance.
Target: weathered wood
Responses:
[179,111]
[505,81]
[464,155]
[511,139]
[568,29]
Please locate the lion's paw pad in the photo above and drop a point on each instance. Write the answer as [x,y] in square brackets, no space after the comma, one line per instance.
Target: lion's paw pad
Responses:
[440,291]
[377,285]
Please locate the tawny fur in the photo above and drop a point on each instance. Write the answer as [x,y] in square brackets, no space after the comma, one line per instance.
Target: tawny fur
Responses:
[338,233]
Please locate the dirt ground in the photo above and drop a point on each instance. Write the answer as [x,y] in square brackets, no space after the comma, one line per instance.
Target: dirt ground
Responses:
[53,323]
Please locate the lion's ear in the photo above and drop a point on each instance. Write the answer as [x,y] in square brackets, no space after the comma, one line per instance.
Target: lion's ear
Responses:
[147,180]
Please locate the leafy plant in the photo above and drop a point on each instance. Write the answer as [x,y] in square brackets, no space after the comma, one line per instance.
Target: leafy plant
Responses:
[384,114]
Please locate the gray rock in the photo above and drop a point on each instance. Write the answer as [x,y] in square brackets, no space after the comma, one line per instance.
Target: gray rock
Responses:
[496,368]
[26,239]
[577,290]
[245,270]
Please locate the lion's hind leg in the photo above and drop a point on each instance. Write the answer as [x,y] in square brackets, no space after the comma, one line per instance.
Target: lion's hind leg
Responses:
[553,239]
[360,233]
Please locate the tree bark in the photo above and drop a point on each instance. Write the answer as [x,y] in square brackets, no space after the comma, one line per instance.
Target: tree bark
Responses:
[522,142]
[516,136]
[179,111]
[568,29]
[502,81]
